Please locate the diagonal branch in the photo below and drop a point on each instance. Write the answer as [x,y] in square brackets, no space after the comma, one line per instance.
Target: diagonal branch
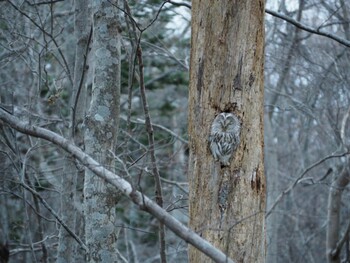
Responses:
[340,40]
[48,207]
[142,201]
[298,179]
[341,242]
[294,22]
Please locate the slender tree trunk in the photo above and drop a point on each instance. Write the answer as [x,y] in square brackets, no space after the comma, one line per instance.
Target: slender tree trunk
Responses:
[333,221]
[67,245]
[274,182]
[227,204]
[274,188]
[101,134]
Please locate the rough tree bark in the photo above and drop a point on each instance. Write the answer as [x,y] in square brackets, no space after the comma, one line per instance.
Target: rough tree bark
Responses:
[227,204]
[101,134]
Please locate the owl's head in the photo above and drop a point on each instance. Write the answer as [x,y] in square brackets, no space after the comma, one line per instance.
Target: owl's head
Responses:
[228,122]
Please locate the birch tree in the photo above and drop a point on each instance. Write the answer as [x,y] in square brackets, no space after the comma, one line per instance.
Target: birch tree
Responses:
[101,133]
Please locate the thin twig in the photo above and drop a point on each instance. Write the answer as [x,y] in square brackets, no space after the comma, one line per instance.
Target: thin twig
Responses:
[148,123]
[292,21]
[279,198]
[179,4]
[149,128]
[141,121]
[52,211]
[49,35]
[45,2]
[134,21]
[341,242]
[178,184]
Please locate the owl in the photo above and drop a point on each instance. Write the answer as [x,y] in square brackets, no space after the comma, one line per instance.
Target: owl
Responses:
[224,137]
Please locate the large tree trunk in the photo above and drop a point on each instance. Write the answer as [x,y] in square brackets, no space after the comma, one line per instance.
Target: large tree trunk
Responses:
[101,134]
[227,203]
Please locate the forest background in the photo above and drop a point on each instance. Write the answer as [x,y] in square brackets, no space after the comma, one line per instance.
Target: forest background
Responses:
[306,111]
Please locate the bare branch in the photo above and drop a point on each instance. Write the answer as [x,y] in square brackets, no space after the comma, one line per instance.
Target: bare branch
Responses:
[178,184]
[134,21]
[279,198]
[48,207]
[141,121]
[341,242]
[312,30]
[49,35]
[179,4]
[340,40]
[149,129]
[45,2]
[119,183]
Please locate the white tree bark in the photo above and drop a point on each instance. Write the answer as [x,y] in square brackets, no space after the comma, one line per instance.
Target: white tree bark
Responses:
[101,134]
